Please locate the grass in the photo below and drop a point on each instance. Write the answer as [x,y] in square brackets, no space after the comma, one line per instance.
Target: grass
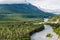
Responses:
[18,30]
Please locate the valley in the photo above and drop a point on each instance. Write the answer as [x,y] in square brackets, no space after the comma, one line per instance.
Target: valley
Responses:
[20,21]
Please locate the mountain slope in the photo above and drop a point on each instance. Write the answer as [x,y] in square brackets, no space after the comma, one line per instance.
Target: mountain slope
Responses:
[22,10]
[19,8]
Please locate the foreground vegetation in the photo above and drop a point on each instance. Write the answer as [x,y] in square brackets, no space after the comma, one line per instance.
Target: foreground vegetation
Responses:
[19,27]
[18,30]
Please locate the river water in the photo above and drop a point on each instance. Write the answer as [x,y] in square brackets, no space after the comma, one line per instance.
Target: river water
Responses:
[42,34]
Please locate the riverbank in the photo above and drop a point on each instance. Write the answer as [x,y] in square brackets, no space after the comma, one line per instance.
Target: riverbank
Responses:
[42,34]
[56,28]
[58,38]
[17,30]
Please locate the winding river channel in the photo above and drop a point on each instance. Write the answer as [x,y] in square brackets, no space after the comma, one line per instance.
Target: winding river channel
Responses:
[42,34]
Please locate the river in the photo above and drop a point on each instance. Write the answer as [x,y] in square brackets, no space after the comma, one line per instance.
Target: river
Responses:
[42,34]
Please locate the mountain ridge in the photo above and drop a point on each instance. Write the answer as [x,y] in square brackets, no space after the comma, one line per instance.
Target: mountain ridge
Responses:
[26,11]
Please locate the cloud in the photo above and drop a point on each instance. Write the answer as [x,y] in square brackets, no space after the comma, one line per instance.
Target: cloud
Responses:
[47,4]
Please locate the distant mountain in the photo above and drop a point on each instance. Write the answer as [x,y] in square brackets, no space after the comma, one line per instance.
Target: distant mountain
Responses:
[26,11]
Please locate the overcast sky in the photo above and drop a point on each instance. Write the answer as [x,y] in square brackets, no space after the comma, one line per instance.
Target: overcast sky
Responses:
[45,4]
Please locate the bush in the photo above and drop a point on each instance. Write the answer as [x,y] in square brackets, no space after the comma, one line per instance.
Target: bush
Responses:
[49,35]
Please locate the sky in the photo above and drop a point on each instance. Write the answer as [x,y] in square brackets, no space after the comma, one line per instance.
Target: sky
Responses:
[11,1]
[44,4]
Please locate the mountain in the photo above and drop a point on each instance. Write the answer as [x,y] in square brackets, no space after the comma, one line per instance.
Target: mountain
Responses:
[22,10]
[19,8]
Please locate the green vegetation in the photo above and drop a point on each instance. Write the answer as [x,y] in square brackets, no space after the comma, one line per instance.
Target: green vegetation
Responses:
[18,30]
[17,17]
[54,18]
[49,35]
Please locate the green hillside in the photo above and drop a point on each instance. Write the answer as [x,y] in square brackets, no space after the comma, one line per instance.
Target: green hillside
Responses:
[17,11]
